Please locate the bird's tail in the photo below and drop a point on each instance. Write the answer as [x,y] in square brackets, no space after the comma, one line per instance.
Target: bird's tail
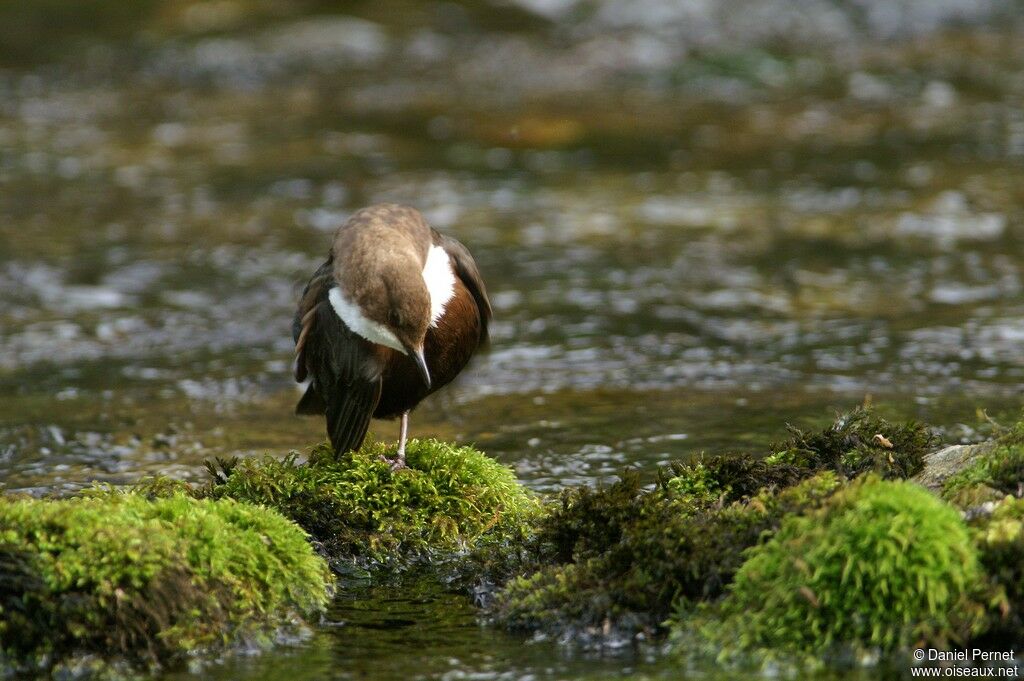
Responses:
[345,381]
[348,415]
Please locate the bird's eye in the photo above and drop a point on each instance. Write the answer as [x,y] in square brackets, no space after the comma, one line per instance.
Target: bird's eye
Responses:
[394,318]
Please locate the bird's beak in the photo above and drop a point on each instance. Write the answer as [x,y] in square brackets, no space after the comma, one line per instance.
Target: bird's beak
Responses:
[421,363]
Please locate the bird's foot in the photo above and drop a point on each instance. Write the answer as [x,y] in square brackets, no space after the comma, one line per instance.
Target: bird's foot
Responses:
[397,463]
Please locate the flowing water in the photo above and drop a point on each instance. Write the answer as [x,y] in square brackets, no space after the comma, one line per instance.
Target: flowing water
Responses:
[697,223]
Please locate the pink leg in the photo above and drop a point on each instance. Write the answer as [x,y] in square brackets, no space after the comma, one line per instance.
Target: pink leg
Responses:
[400,459]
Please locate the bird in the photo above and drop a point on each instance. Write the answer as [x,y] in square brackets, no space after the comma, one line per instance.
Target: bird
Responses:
[393,315]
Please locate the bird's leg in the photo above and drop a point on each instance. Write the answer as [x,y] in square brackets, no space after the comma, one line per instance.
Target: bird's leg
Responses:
[399,461]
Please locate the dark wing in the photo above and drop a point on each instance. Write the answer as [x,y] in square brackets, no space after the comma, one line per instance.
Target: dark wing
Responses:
[313,296]
[467,271]
[346,384]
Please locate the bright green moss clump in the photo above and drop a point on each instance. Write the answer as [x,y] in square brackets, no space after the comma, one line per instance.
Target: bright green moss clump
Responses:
[121,576]
[361,511]
[883,566]
[163,569]
[1000,541]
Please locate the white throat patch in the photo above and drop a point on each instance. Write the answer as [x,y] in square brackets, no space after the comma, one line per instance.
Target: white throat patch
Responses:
[440,281]
[360,324]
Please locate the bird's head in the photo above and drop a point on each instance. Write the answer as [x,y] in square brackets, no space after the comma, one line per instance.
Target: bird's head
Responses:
[401,304]
[379,255]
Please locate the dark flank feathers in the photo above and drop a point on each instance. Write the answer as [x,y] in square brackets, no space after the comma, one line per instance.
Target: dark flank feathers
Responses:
[343,386]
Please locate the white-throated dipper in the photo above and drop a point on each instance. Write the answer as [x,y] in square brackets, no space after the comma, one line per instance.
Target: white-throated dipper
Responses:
[394,314]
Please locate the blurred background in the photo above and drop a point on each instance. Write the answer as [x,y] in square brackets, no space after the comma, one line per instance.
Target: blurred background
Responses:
[699,220]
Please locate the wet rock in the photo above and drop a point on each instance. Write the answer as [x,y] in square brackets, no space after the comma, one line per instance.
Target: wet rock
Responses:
[943,464]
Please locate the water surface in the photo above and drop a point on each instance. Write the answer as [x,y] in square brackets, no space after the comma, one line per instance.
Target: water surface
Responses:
[696,225]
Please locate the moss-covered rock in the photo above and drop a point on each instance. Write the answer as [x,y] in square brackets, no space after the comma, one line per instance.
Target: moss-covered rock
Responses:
[725,478]
[883,566]
[364,514]
[145,575]
[166,567]
[118,575]
[986,481]
[854,444]
[945,463]
[618,559]
[857,443]
[665,548]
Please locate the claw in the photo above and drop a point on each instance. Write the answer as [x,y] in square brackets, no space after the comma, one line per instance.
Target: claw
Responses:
[397,463]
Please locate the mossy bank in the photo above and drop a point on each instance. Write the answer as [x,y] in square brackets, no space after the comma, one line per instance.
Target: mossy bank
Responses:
[822,549]
[819,551]
[882,566]
[144,577]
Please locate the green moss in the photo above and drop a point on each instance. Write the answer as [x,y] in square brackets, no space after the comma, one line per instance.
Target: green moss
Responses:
[857,443]
[195,569]
[584,522]
[994,475]
[731,477]
[363,512]
[664,549]
[621,557]
[883,566]
[119,575]
[1013,435]
[161,487]
[162,569]
[999,538]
